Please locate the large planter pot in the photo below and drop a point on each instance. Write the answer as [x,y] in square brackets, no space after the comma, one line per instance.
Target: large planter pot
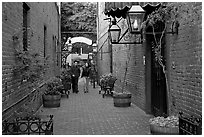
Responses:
[121,99]
[158,130]
[51,101]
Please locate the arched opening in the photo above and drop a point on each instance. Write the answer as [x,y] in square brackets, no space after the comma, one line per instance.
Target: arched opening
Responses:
[81,47]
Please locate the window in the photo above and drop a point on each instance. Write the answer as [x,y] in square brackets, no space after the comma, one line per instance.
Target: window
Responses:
[25,26]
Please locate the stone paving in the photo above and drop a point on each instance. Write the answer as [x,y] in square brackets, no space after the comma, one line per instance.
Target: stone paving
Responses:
[90,114]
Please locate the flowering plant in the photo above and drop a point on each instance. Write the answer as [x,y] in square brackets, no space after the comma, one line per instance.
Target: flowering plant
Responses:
[53,86]
[171,121]
[107,80]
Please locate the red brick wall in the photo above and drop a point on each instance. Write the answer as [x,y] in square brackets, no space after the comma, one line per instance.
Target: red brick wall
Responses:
[186,61]
[40,14]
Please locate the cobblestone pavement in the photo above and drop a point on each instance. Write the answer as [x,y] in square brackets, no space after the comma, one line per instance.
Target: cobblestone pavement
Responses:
[90,114]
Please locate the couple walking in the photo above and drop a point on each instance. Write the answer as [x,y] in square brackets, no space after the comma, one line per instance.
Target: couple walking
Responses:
[80,72]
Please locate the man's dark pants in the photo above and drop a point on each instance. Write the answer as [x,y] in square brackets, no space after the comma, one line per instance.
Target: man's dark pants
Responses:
[75,84]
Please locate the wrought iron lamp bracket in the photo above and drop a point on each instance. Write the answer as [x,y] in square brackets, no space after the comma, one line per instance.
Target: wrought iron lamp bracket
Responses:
[127,37]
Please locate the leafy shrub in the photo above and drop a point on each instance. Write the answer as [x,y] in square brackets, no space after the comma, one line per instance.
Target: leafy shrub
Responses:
[53,86]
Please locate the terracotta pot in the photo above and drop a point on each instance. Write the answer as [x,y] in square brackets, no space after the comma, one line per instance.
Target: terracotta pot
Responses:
[121,99]
[157,130]
[51,101]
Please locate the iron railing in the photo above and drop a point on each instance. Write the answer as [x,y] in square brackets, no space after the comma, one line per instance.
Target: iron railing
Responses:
[190,125]
[29,125]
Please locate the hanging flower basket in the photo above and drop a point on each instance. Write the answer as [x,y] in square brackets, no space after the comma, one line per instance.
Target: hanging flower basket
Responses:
[164,126]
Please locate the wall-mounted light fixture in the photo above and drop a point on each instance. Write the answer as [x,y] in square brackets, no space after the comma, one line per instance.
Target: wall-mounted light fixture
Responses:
[134,16]
[94,47]
[114,32]
[134,19]
[68,45]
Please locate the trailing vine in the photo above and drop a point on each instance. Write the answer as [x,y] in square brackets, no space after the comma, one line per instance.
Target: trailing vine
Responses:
[165,14]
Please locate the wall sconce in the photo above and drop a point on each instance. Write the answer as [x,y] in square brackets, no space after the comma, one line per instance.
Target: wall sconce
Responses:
[94,46]
[114,32]
[174,27]
[68,45]
[134,18]
[90,56]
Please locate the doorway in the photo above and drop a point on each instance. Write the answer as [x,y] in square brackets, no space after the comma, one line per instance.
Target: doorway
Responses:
[155,78]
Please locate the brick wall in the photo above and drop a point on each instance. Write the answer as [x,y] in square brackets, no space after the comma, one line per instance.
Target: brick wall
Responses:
[130,56]
[103,56]
[40,14]
[185,62]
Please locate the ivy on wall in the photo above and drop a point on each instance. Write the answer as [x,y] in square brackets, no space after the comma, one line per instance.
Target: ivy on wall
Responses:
[29,65]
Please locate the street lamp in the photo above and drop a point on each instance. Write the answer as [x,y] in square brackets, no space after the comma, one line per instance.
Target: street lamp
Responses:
[135,18]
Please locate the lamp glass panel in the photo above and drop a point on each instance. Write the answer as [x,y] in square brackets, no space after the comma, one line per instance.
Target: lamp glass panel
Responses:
[114,35]
[135,21]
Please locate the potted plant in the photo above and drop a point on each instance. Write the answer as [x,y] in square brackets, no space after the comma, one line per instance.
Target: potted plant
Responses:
[52,95]
[65,76]
[107,82]
[164,126]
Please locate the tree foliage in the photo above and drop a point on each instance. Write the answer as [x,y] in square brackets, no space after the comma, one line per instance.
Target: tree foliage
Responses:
[78,16]
[81,17]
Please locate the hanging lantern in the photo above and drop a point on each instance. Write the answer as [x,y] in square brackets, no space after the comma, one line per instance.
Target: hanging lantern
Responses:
[135,18]
[114,32]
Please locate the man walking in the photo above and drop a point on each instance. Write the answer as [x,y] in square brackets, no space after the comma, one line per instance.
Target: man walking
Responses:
[75,71]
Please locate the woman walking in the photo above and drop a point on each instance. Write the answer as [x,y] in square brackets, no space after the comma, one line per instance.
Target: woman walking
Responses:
[85,75]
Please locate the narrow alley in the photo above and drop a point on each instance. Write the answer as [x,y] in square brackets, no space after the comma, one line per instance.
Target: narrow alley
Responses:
[146,56]
[90,114]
